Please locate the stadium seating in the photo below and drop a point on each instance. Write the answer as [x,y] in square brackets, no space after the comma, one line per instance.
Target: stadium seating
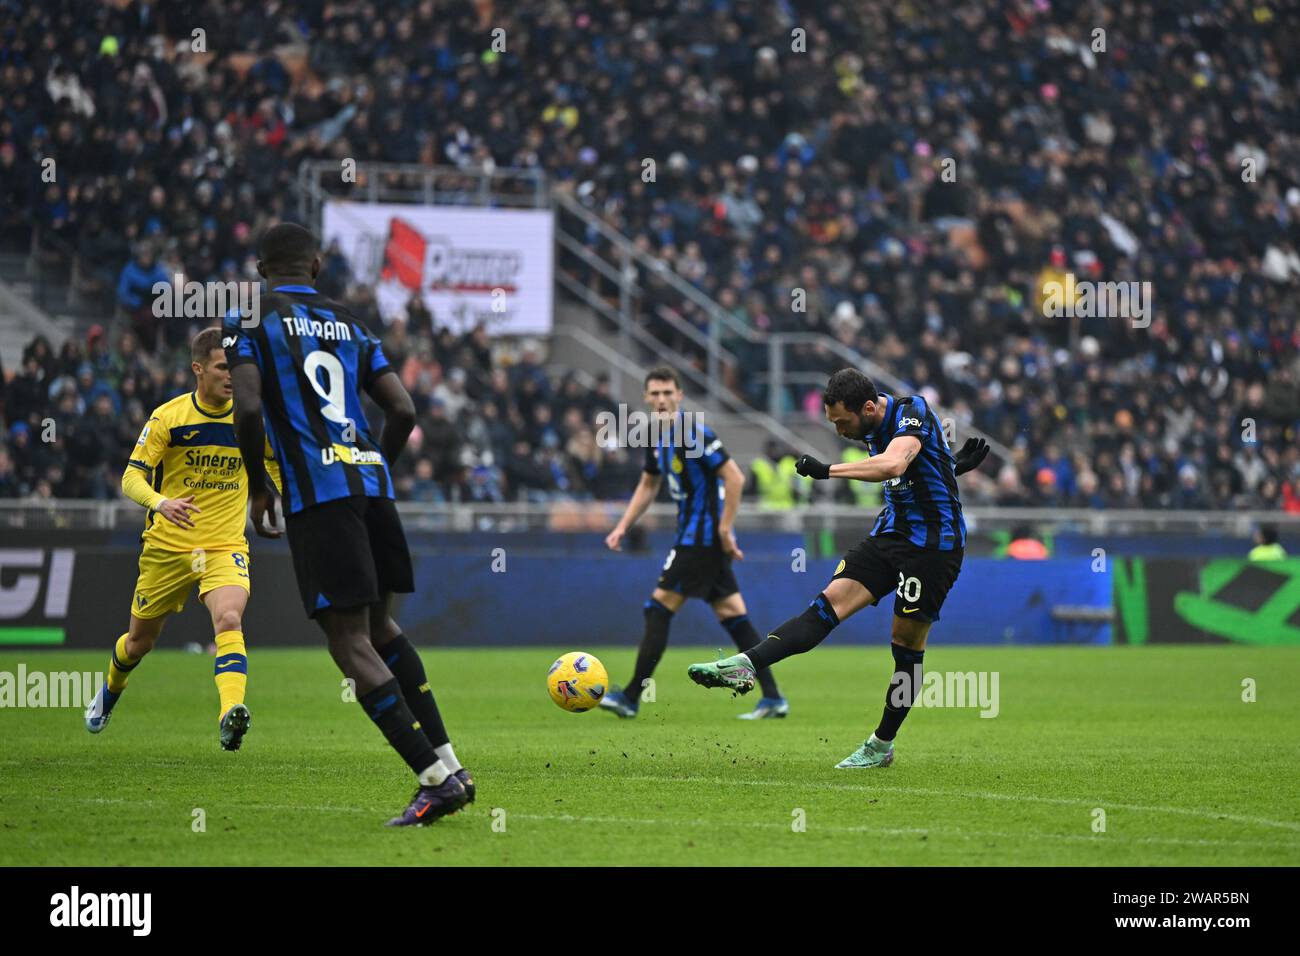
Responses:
[796,150]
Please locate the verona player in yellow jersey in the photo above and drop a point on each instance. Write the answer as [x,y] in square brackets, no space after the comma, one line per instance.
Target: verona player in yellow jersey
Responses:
[187,470]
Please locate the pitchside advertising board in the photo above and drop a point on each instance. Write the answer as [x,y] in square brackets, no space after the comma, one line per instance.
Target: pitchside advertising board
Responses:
[470,266]
[73,589]
[1207,601]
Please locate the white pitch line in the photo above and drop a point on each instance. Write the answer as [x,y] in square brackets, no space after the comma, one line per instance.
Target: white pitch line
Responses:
[868,789]
[963,834]
[939,832]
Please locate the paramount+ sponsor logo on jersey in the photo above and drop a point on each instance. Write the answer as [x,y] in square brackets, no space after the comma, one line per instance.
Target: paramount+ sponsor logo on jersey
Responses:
[350,456]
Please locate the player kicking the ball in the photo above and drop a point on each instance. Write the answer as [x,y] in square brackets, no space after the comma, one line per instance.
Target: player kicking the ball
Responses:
[187,470]
[303,366]
[915,548]
[706,484]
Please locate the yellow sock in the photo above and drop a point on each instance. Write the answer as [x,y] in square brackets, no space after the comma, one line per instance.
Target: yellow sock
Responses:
[120,665]
[231,669]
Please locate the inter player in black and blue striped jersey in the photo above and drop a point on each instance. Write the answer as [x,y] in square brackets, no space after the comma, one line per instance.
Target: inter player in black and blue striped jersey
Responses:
[302,366]
[706,484]
[914,549]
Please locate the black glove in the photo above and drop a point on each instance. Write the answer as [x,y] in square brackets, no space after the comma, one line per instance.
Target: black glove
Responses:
[971,454]
[810,467]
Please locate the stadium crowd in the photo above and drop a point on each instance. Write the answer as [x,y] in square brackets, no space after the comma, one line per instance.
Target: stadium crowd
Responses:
[487,430]
[916,172]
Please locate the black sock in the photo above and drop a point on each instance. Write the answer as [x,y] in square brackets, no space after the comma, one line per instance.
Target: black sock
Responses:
[386,706]
[796,635]
[657,621]
[904,687]
[404,661]
[743,633]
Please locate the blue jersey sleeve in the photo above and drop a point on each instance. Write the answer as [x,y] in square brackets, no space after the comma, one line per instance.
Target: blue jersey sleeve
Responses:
[714,456]
[236,340]
[913,419]
[376,362]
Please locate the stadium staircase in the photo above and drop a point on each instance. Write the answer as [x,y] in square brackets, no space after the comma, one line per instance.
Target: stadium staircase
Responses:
[595,331]
[21,317]
[612,261]
[607,289]
[581,342]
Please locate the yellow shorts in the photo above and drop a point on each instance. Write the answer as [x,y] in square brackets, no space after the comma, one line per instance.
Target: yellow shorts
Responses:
[166,577]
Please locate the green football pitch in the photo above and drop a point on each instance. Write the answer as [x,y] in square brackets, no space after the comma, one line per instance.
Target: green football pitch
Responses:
[1115,756]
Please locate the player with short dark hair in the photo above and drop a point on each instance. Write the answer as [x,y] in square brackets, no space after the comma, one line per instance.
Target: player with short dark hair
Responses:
[303,367]
[914,549]
[706,484]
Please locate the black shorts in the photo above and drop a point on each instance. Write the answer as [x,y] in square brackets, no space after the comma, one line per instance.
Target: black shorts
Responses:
[700,573]
[348,553]
[919,577]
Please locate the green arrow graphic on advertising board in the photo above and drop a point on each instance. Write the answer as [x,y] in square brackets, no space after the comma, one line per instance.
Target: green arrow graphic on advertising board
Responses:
[1129,583]
[1265,624]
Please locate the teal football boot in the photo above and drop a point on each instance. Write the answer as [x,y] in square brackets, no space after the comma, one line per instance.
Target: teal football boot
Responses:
[872,753]
[734,673]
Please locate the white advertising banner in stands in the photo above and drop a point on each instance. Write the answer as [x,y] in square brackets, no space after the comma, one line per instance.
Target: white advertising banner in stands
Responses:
[470,265]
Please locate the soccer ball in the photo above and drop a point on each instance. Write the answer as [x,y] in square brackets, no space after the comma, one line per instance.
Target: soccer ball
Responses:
[577,681]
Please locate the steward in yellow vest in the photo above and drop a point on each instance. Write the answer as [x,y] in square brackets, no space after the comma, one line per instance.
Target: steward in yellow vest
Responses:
[866,494]
[1266,547]
[776,482]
